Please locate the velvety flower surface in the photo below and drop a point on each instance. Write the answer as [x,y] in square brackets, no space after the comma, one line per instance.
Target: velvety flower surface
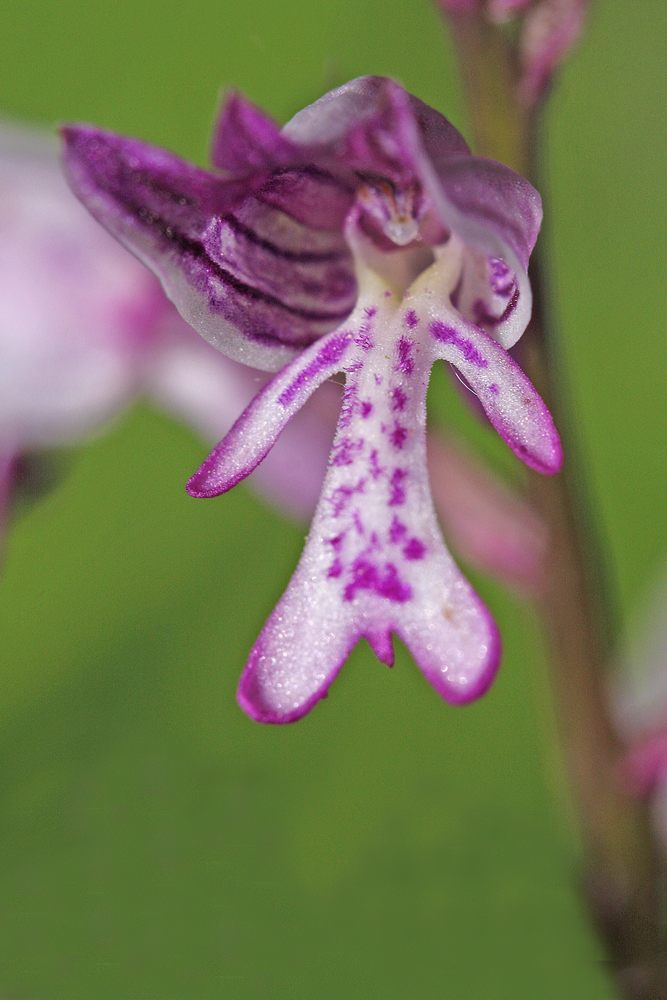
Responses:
[362,238]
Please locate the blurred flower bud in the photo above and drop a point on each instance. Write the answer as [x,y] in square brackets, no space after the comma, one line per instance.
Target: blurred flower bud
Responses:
[550,30]
[639,699]
[486,523]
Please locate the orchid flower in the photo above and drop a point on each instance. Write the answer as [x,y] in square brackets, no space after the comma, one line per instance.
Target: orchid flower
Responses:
[362,238]
[85,328]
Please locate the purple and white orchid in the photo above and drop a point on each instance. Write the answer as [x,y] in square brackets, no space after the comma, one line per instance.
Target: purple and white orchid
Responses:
[362,238]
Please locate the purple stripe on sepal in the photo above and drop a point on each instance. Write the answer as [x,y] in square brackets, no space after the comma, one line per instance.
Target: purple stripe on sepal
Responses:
[257,287]
[510,402]
[379,127]
[144,181]
[311,195]
[255,432]
[483,317]
[297,256]
[492,201]
[246,141]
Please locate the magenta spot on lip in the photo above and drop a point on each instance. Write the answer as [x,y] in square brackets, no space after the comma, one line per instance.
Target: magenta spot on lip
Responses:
[387,293]
[385,582]
[494,389]
[341,495]
[396,488]
[397,530]
[345,451]
[348,406]
[448,335]
[398,435]
[376,468]
[398,398]
[414,549]
[378,379]
[483,317]
[366,409]
[501,278]
[363,338]
[337,542]
[406,362]
[328,356]
[335,569]
[357,522]
[411,319]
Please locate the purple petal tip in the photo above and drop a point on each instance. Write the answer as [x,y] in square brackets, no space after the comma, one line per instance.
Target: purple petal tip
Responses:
[548,464]
[459,695]
[250,698]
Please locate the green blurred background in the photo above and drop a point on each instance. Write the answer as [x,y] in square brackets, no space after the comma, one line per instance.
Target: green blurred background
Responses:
[155,843]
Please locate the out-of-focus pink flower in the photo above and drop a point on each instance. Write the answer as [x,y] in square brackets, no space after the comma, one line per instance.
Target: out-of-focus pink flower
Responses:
[85,328]
[548,31]
[459,6]
[639,699]
[487,524]
[362,238]
[502,10]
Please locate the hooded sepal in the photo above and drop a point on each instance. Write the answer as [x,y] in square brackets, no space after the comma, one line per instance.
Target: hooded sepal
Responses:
[257,284]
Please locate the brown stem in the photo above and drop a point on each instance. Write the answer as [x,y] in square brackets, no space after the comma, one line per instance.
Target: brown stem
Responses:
[490,72]
[622,877]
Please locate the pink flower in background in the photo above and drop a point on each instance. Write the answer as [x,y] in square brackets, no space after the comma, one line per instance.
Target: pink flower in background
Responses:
[639,699]
[363,238]
[486,523]
[85,328]
[548,32]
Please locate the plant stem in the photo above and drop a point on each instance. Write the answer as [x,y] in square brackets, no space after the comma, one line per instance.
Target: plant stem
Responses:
[622,877]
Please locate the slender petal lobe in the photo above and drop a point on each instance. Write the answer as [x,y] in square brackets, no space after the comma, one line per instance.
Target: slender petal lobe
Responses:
[256,430]
[508,398]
